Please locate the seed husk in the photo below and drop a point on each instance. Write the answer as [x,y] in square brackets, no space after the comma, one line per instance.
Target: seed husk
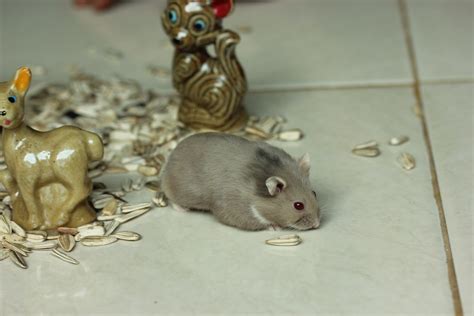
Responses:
[398,140]
[367,149]
[64,257]
[5,226]
[132,215]
[17,229]
[13,238]
[36,236]
[16,247]
[105,218]
[285,240]
[148,171]
[153,186]
[112,227]
[68,230]
[98,240]
[128,236]
[18,259]
[160,199]
[110,208]
[47,244]
[255,131]
[407,161]
[290,135]
[130,208]
[67,242]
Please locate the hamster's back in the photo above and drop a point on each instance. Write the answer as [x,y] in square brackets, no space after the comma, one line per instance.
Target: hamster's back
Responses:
[203,165]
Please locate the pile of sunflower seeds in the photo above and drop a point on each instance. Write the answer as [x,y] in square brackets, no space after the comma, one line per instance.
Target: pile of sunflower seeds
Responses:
[139,129]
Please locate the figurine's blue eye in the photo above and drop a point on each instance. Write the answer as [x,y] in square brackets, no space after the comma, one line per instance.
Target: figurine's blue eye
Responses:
[12,99]
[173,16]
[199,25]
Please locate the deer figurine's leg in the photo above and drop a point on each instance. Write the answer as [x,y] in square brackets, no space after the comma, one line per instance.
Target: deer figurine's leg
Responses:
[28,192]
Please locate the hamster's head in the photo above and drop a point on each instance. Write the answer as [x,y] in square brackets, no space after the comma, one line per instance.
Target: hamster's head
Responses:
[186,21]
[12,98]
[288,199]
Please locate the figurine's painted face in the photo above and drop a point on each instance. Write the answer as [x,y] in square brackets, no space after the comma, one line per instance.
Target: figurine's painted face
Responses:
[12,96]
[185,21]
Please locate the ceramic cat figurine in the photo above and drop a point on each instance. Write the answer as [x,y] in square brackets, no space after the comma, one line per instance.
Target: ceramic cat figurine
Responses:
[211,88]
[46,173]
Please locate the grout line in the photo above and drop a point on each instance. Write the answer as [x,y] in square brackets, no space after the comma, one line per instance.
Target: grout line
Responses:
[457,304]
[447,81]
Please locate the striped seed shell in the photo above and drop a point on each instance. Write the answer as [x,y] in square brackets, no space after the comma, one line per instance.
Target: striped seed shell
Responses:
[110,208]
[93,241]
[285,240]
[290,135]
[17,229]
[128,236]
[67,242]
[64,257]
[398,140]
[18,259]
[407,161]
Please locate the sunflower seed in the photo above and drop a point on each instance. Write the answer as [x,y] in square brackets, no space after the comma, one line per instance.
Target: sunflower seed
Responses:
[285,240]
[98,241]
[290,135]
[16,247]
[36,235]
[130,208]
[13,238]
[18,259]
[52,234]
[148,171]
[5,227]
[153,186]
[132,215]
[160,200]
[396,141]
[68,230]
[17,229]
[67,242]
[48,244]
[112,227]
[367,149]
[90,231]
[105,218]
[110,208]
[128,236]
[64,257]
[407,161]
[255,131]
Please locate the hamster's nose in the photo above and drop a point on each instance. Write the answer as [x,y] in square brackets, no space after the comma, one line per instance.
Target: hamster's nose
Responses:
[176,41]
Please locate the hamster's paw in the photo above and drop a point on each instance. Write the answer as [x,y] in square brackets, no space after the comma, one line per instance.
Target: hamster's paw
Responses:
[179,208]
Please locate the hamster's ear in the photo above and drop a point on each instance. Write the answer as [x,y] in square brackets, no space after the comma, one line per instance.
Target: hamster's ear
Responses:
[22,80]
[275,185]
[222,8]
[304,164]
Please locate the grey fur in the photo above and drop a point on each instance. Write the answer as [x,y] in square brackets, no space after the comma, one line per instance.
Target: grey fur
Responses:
[226,175]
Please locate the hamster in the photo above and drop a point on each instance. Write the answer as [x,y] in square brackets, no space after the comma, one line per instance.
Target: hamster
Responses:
[246,184]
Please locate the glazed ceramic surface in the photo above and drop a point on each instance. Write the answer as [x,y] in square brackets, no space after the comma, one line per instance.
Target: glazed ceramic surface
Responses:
[46,173]
[211,88]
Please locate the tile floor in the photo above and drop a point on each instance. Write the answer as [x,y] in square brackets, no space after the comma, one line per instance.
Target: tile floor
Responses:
[340,70]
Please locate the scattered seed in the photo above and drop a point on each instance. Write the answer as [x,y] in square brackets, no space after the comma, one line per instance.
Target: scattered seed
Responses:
[64,257]
[255,131]
[128,236]
[110,208]
[112,227]
[130,208]
[36,236]
[367,149]
[18,259]
[132,215]
[396,141]
[407,161]
[148,171]
[67,242]
[160,199]
[98,241]
[17,229]
[68,230]
[290,135]
[4,253]
[16,248]
[48,244]
[285,240]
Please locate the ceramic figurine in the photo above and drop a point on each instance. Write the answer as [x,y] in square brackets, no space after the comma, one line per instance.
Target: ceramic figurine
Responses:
[46,173]
[211,88]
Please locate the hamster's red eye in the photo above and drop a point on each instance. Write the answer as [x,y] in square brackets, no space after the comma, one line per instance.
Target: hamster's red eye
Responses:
[299,206]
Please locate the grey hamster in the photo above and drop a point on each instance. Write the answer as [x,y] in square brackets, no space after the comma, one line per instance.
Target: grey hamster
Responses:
[245,184]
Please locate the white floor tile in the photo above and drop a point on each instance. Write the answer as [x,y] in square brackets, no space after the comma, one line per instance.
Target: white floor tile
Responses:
[443,34]
[449,112]
[292,43]
[379,250]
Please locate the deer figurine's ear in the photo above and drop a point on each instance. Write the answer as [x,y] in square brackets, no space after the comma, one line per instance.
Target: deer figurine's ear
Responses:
[222,8]
[275,185]
[304,164]
[22,80]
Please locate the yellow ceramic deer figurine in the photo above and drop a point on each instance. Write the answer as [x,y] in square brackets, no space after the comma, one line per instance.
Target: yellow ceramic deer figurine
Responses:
[46,173]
